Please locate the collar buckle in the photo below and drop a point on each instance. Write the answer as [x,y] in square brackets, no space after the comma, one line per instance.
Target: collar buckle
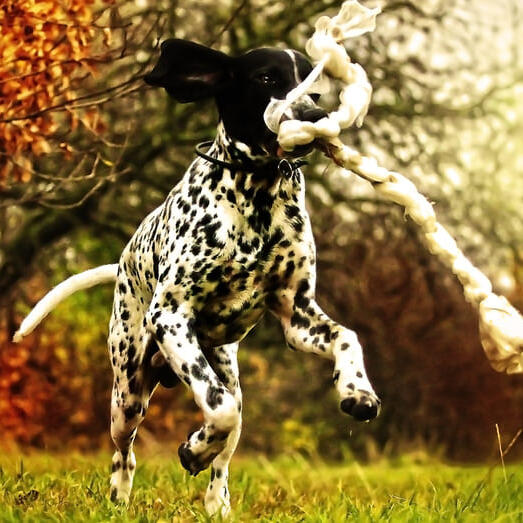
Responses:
[286,168]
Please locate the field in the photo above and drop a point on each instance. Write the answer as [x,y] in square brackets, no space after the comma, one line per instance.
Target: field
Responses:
[74,488]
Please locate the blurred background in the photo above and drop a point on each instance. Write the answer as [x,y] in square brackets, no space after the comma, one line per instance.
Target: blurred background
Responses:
[87,150]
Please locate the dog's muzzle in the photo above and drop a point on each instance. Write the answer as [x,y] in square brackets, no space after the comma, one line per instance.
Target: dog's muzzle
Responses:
[304,112]
[308,113]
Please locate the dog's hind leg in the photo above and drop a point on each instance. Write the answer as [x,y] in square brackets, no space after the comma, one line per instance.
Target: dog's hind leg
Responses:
[224,362]
[125,418]
[128,406]
[133,385]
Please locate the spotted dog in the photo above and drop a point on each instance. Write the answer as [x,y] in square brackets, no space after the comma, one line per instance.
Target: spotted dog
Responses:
[232,240]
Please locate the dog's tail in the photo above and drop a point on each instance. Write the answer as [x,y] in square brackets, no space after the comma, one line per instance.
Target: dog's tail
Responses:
[78,282]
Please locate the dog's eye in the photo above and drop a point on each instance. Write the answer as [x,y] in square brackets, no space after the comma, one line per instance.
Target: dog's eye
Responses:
[266,79]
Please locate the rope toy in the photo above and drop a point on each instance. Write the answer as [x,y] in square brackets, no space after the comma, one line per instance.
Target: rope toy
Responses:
[500,324]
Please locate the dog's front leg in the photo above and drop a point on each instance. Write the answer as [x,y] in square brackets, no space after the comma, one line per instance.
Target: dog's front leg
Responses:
[174,333]
[224,361]
[309,329]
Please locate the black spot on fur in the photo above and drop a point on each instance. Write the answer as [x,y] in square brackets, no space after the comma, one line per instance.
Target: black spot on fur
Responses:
[155,265]
[214,274]
[301,301]
[289,269]
[197,373]
[231,196]
[210,235]
[131,411]
[214,396]
[324,329]
[298,320]
[303,287]
[291,211]
[160,332]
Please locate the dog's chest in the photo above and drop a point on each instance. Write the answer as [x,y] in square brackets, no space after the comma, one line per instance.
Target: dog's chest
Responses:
[226,252]
[268,242]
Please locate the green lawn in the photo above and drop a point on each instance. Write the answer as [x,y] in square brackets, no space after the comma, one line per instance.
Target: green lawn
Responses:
[58,488]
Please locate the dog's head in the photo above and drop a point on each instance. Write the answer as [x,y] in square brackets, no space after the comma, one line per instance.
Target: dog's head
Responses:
[242,86]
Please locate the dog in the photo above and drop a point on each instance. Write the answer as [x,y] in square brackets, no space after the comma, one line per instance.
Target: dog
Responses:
[231,241]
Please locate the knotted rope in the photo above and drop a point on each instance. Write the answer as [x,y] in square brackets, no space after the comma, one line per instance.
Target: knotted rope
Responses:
[500,324]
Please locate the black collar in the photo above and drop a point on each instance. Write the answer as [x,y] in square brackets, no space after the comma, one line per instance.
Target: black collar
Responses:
[285,167]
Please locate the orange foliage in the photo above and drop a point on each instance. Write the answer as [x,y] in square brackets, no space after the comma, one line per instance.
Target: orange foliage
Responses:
[54,394]
[45,47]
[25,393]
[44,398]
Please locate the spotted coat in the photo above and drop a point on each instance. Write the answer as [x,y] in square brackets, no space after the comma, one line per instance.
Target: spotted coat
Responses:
[231,241]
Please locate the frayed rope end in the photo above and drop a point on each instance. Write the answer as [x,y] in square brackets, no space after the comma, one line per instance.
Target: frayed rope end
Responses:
[501,331]
[18,337]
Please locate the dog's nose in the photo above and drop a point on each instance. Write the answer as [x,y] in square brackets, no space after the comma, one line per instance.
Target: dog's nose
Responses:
[312,114]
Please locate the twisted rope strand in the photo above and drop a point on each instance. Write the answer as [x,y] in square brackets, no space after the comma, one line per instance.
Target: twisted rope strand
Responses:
[500,324]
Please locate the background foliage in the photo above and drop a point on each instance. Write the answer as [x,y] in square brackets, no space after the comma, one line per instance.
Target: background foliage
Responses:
[88,151]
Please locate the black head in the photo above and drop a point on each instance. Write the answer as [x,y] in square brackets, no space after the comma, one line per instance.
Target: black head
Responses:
[242,86]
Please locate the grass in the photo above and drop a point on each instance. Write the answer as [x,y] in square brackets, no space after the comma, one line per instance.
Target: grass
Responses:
[74,488]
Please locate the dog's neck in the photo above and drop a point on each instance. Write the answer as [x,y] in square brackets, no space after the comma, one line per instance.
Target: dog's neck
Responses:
[238,153]
[235,157]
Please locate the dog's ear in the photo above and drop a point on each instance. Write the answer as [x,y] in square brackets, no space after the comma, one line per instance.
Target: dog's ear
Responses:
[190,71]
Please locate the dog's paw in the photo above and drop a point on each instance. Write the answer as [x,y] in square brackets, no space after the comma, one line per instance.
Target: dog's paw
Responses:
[200,449]
[195,463]
[218,501]
[119,497]
[362,405]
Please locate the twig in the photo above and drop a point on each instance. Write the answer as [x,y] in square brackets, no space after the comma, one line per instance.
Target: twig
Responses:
[501,453]
[512,441]
[97,59]
[229,22]
[69,103]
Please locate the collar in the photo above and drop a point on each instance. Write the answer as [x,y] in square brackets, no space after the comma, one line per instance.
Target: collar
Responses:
[285,167]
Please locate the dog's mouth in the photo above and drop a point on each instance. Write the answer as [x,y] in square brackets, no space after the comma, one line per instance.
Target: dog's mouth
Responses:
[306,113]
[273,148]
[297,152]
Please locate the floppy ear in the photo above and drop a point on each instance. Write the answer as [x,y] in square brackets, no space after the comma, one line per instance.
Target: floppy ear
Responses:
[190,71]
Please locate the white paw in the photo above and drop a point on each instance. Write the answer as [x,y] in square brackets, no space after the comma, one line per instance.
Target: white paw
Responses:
[120,495]
[214,503]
